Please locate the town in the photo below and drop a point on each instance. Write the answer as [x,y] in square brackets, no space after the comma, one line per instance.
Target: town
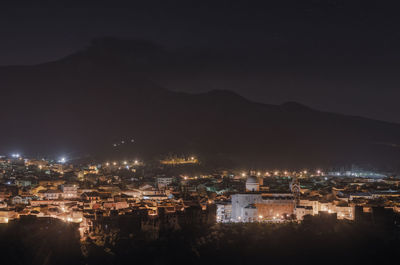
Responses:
[99,196]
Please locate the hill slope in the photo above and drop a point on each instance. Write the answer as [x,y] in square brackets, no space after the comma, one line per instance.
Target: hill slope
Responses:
[89,100]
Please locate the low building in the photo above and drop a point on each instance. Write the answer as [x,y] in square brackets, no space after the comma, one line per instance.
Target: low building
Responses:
[163,182]
[69,191]
[224,212]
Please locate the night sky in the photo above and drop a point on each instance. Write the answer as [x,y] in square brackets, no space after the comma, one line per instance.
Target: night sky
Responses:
[340,56]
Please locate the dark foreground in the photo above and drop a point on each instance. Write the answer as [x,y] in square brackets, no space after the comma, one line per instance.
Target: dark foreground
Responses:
[315,241]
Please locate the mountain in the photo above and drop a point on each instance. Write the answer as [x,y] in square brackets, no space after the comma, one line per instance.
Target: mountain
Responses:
[106,93]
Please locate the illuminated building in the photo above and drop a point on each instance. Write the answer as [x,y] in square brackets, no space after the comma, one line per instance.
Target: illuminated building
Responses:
[70,191]
[254,206]
[164,182]
[252,184]
[224,212]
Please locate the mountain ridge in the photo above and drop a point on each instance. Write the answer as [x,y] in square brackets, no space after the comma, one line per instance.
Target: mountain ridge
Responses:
[64,106]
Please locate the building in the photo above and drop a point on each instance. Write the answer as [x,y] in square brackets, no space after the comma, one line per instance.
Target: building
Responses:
[256,206]
[301,211]
[224,212]
[163,182]
[240,202]
[70,191]
[50,194]
[275,206]
[252,184]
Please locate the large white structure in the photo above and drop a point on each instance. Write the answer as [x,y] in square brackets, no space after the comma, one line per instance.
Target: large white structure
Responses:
[252,184]
[254,206]
[240,202]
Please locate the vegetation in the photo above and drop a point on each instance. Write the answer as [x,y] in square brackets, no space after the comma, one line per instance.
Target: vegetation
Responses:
[315,241]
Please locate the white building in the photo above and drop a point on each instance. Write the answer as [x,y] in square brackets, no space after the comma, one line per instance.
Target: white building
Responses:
[313,207]
[163,182]
[51,194]
[240,202]
[70,191]
[224,212]
[252,184]
[254,206]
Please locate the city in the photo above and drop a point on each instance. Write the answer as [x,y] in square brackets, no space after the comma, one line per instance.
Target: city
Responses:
[89,194]
[103,202]
[199,132]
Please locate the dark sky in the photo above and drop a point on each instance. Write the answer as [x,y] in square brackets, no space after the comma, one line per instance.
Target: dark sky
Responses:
[340,56]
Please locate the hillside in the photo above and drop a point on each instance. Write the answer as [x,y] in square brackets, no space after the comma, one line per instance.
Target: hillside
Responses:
[109,95]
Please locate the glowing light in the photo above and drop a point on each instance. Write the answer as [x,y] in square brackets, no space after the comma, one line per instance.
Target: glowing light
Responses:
[243,174]
[125,162]
[136,161]
[107,164]
[260,216]
[114,163]
[62,160]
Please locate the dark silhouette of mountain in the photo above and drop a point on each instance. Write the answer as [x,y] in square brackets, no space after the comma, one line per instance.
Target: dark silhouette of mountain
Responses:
[105,94]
